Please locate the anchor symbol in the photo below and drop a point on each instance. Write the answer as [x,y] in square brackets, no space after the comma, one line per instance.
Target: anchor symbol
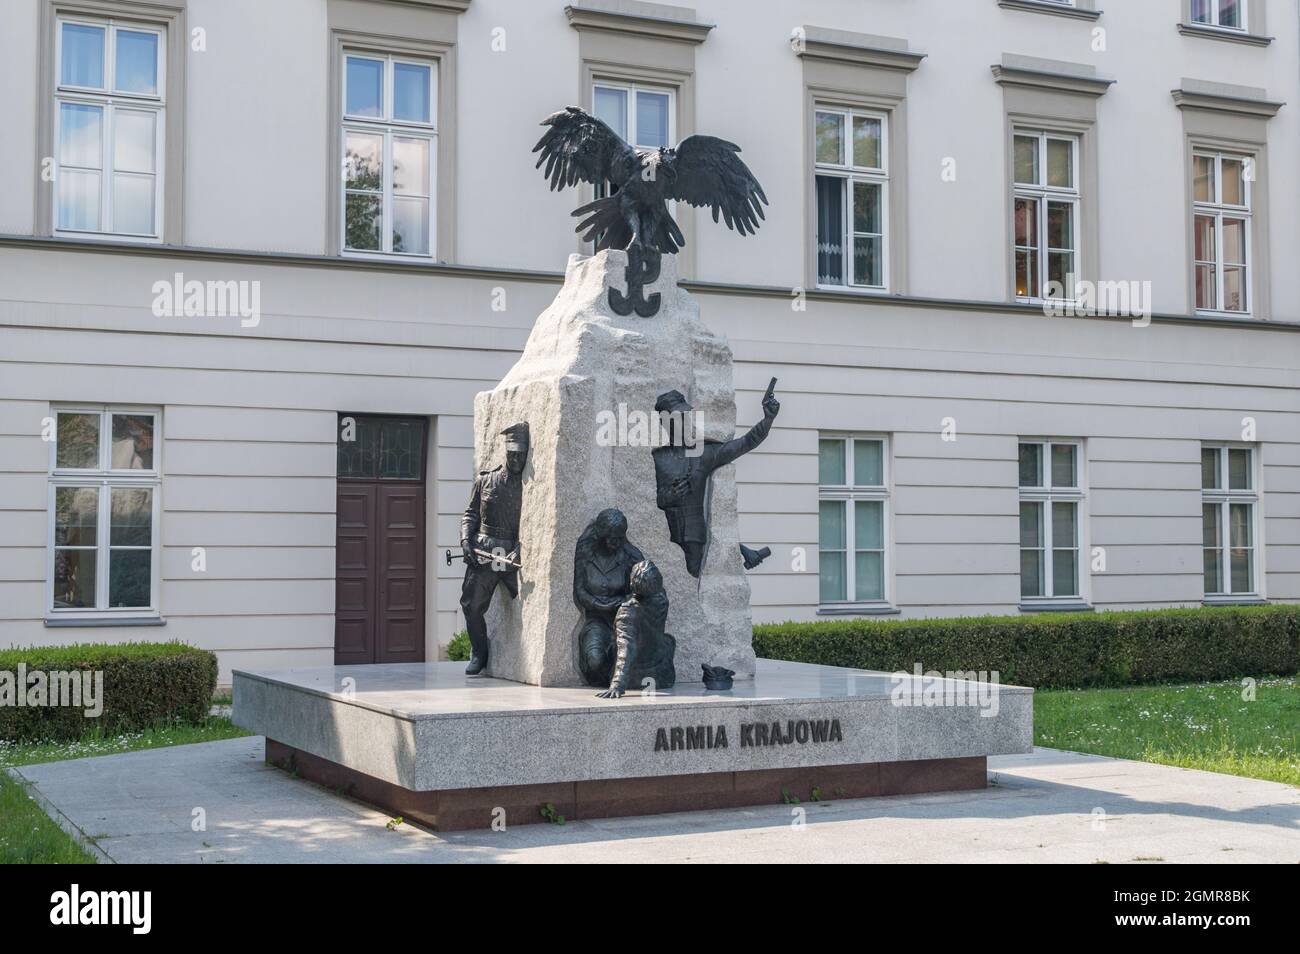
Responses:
[642,269]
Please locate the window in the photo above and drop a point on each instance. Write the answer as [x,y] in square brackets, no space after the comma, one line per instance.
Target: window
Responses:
[1046,214]
[1228,499]
[389,135]
[644,116]
[1225,14]
[108,128]
[104,470]
[380,448]
[1221,186]
[852,185]
[853,519]
[1050,501]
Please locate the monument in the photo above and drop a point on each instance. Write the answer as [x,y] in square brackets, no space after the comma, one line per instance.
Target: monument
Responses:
[489,541]
[612,677]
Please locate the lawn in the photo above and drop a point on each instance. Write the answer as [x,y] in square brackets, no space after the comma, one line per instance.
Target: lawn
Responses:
[95,743]
[27,834]
[1207,726]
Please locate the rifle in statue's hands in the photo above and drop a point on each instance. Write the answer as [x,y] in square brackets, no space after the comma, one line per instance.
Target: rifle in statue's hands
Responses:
[494,558]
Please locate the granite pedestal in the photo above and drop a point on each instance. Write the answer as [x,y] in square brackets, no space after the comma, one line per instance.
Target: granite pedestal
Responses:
[427,742]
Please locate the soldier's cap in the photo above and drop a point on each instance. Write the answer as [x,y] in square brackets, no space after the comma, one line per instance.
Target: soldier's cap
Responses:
[672,401]
[516,437]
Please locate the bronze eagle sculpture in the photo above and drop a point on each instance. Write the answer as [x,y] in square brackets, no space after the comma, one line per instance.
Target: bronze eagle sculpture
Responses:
[701,171]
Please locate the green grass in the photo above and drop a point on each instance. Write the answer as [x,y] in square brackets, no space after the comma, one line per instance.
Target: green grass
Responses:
[96,743]
[28,835]
[1205,726]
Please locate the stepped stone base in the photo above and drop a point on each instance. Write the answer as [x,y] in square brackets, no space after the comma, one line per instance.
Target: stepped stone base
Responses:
[467,808]
[429,743]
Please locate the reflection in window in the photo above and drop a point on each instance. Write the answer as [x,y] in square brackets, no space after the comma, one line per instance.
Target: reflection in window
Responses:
[852,516]
[850,188]
[1221,231]
[1228,512]
[388,155]
[1050,501]
[103,515]
[108,129]
[1045,214]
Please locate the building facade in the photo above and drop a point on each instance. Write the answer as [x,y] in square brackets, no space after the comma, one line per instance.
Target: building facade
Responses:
[1024,280]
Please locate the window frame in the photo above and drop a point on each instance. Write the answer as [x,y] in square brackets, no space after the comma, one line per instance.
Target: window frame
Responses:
[630,88]
[110,102]
[1224,497]
[105,479]
[851,493]
[1042,193]
[1217,12]
[849,174]
[1217,209]
[387,127]
[1047,493]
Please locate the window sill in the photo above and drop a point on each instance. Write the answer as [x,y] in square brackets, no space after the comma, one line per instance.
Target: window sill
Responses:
[1219,33]
[126,238]
[1055,9]
[1075,607]
[858,609]
[61,622]
[1243,600]
[388,257]
[1212,315]
[865,291]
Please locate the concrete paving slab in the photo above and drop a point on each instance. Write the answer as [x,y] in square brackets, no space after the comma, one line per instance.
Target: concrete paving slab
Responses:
[1050,806]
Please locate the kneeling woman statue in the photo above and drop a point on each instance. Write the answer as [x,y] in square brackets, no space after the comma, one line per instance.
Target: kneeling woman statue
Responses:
[621,594]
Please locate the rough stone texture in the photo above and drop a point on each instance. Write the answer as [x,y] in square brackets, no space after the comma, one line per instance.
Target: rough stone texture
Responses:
[581,359]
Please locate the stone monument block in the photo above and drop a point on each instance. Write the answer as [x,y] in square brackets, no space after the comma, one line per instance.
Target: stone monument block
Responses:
[586,384]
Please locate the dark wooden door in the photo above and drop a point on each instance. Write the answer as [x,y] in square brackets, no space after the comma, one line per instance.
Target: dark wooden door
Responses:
[380,540]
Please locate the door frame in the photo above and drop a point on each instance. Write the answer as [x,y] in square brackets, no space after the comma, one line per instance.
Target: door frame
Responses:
[425,553]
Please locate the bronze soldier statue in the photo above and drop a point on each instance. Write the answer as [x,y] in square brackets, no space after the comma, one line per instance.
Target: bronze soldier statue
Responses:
[489,541]
[682,480]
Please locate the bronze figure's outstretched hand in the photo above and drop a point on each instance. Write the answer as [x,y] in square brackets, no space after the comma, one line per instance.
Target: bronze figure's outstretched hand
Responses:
[771,406]
[610,693]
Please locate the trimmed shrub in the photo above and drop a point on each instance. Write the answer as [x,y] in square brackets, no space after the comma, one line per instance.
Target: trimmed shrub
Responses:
[458,648]
[144,684]
[1058,650]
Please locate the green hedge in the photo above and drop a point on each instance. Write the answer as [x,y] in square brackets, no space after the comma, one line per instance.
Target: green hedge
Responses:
[458,648]
[144,684]
[1058,650]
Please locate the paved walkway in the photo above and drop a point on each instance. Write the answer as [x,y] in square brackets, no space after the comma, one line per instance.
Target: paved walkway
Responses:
[1049,806]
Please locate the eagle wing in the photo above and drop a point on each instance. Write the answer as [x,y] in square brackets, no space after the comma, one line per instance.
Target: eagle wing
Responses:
[578,146]
[711,173]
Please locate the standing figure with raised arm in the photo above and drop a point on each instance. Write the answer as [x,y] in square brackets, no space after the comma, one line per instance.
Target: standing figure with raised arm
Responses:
[682,478]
